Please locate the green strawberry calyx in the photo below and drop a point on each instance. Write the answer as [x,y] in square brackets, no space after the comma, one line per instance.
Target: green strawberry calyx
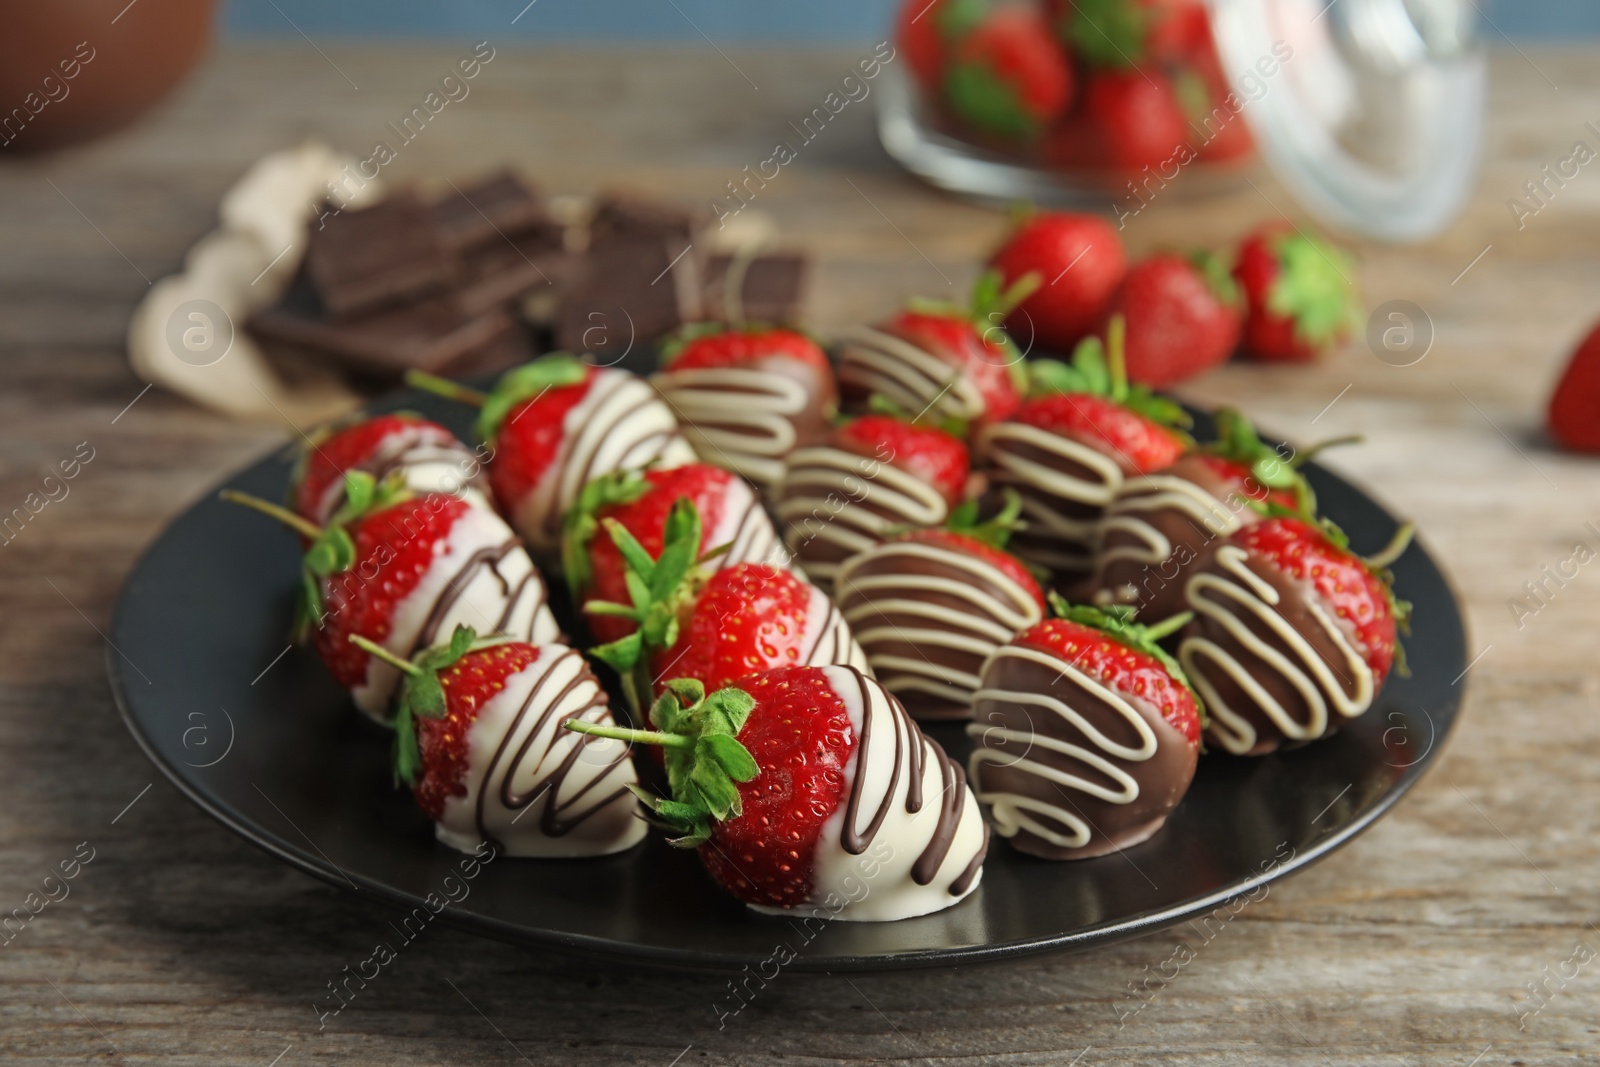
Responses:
[704,758]
[1107,33]
[994,531]
[1313,289]
[331,550]
[1238,442]
[1099,368]
[1116,621]
[581,522]
[527,382]
[421,693]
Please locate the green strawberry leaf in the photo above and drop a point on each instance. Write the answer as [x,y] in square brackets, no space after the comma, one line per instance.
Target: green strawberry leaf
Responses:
[581,522]
[1313,288]
[1107,33]
[527,382]
[978,94]
[1117,622]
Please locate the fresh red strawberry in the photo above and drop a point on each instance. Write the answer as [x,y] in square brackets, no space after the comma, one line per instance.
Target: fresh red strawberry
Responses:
[1183,316]
[1300,299]
[427,453]
[1220,130]
[1120,34]
[1257,471]
[682,621]
[1008,77]
[717,345]
[1350,589]
[1080,260]
[383,549]
[478,738]
[925,31]
[1574,417]
[764,778]
[932,455]
[557,423]
[1124,657]
[1139,120]
[641,503]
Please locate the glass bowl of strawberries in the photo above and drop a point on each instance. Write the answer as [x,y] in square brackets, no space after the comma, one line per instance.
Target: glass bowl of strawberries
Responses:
[1370,111]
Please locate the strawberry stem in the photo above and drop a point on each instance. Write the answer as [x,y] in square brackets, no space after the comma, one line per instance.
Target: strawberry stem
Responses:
[298,523]
[1394,549]
[1116,358]
[384,654]
[622,733]
[432,383]
[1311,451]
[1156,631]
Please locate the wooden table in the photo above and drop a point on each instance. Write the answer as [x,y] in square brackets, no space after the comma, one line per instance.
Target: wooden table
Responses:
[181,944]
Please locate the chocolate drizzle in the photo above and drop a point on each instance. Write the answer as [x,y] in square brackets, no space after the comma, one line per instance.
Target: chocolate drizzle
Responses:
[584,695]
[911,754]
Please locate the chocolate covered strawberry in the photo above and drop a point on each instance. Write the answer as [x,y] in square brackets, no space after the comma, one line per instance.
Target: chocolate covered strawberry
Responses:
[1079,260]
[1069,447]
[1183,316]
[1161,526]
[427,456]
[555,425]
[811,789]
[747,396]
[1574,409]
[403,570]
[1293,633]
[1087,734]
[1298,292]
[731,519]
[875,476]
[928,607]
[684,620]
[1007,78]
[939,363]
[480,739]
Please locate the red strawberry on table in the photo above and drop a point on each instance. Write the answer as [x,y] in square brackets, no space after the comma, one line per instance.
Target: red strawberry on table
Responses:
[731,518]
[428,456]
[1087,734]
[940,363]
[1183,316]
[402,570]
[747,396]
[1299,297]
[683,621]
[1293,633]
[1070,446]
[810,789]
[928,607]
[873,476]
[1007,77]
[1138,121]
[1160,527]
[555,425]
[1079,260]
[480,739]
[1574,413]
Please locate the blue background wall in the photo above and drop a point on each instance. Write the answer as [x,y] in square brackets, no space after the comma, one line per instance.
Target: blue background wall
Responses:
[739,21]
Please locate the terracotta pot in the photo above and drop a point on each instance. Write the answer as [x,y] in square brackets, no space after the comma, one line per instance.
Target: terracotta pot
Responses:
[73,71]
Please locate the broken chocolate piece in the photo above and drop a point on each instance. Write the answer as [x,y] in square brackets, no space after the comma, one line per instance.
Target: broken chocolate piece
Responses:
[629,294]
[624,219]
[362,260]
[755,288]
[488,211]
[507,268]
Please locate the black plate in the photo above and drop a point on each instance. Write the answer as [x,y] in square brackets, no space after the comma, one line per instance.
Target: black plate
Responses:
[274,751]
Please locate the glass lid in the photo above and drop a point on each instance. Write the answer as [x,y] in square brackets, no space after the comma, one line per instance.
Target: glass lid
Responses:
[1370,111]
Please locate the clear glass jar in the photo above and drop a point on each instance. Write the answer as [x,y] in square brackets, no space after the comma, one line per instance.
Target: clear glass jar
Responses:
[1369,111]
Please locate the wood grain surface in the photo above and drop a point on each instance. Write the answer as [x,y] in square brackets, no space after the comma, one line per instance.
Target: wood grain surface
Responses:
[181,944]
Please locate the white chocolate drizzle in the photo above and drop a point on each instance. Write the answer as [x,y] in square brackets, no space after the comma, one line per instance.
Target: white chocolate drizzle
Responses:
[999,607]
[1053,538]
[833,504]
[738,418]
[1151,493]
[430,460]
[872,362]
[1229,604]
[1015,812]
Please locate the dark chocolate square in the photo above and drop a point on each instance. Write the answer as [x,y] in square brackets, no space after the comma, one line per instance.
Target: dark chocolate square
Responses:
[362,260]
[627,294]
[771,288]
[488,211]
[508,268]
[620,218]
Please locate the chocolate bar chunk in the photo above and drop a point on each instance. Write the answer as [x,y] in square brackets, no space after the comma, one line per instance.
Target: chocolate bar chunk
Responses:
[629,294]
[488,211]
[507,268]
[361,260]
[623,219]
[755,289]
[432,335]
